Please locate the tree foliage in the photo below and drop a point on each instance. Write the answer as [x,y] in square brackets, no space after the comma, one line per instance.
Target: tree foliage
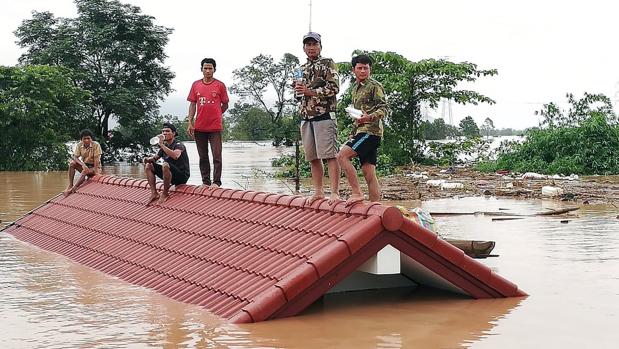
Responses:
[469,127]
[487,127]
[579,110]
[262,81]
[407,85]
[438,129]
[116,52]
[247,122]
[40,110]
[583,140]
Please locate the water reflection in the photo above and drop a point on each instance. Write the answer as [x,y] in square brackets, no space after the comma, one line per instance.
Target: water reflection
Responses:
[387,319]
[571,272]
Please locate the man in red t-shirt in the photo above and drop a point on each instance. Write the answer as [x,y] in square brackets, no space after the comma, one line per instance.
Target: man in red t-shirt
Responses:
[208,100]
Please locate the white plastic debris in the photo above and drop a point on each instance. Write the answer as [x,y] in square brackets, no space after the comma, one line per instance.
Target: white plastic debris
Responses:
[452,186]
[416,175]
[435,182]
[533,175]
[551,191]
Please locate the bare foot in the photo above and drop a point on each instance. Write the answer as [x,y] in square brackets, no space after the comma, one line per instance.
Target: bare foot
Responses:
[163,198]
[214,186]
[354,199]
[153,197]
[67,191]
[310,200]
[333,198]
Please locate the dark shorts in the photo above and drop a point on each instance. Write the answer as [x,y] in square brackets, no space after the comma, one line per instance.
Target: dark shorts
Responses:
[178,177]
[366,147]
[91,167]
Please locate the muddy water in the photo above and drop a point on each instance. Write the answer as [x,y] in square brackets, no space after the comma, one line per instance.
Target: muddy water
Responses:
[570,270]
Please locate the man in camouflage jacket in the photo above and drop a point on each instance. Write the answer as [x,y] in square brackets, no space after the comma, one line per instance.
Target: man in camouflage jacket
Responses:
[317,94]
[368,96]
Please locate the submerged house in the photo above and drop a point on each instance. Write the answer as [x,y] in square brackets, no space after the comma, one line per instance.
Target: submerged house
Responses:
[248,256]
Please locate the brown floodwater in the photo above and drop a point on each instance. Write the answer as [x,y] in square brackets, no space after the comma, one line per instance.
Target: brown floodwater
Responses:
[570,270]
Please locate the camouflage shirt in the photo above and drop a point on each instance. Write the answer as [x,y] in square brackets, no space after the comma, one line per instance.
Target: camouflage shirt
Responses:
[369,96]
[320,76]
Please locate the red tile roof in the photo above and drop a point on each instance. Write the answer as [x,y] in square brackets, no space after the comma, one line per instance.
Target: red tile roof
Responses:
[243,255]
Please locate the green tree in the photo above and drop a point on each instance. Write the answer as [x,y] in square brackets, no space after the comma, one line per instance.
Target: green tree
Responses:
[579,111]
[469,127]
[249,123]
[40,110]
[582,140]
[407,84]
[262,79]
[487,127]
[434,130]
[116,51]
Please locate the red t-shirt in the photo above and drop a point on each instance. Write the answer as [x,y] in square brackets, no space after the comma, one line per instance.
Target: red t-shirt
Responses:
[208,99]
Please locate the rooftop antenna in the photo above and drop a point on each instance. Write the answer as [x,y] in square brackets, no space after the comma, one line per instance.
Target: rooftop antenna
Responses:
[310,15]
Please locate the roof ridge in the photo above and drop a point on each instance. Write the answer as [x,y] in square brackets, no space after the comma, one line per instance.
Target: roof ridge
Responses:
[359,208]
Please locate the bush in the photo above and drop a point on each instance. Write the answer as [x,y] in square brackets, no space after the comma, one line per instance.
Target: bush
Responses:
[456,152]
[384,165]
[591,147]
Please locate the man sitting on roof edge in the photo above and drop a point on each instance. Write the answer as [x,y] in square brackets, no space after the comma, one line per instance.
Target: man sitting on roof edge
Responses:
[86,159]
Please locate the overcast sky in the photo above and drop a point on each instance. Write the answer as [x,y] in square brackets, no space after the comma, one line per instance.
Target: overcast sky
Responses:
[542,49]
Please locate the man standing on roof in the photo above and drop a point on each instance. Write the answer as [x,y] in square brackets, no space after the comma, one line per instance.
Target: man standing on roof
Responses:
[208,100]
[86,159]
[175,167]
[318,92]
[368,96]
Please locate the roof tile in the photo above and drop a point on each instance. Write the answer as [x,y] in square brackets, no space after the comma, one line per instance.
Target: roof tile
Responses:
[244,255]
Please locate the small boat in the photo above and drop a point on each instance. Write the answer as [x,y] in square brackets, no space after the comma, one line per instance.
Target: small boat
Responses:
[474,248]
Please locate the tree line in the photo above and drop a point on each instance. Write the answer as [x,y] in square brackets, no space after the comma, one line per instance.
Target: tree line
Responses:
[108,63]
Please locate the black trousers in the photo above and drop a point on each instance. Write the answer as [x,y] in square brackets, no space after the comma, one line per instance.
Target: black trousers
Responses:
[203,139]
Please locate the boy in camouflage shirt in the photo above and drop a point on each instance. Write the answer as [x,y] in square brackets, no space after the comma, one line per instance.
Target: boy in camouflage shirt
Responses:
[368,96]
[318,92]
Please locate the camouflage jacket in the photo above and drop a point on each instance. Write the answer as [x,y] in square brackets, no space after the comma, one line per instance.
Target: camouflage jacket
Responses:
[322,77]
[369,96]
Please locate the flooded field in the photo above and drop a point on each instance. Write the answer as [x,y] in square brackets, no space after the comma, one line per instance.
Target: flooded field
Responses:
[570,270]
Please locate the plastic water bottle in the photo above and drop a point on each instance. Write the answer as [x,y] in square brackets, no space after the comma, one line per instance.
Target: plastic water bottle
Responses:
[298,79]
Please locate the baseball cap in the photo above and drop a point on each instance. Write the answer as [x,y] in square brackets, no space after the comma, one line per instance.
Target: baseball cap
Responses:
[311,35]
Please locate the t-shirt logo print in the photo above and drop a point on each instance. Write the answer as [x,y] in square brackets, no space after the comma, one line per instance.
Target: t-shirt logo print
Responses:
[202,100]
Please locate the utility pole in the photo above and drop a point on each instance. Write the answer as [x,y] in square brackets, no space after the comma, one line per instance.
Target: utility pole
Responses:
[616,96]
[446,103]
[310,15]
[446,111]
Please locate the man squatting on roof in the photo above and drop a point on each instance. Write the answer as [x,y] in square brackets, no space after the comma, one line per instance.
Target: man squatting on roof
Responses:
[175,167]
[86,159]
